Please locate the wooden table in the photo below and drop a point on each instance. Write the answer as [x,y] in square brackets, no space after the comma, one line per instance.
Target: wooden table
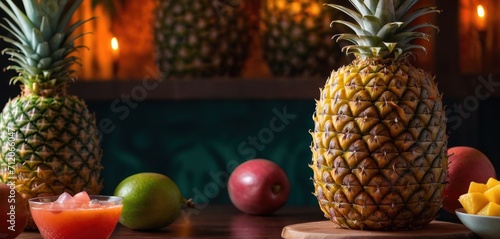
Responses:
[220,221]
[225,221]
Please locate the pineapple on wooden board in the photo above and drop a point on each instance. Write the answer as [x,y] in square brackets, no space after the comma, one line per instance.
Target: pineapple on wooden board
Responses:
[201,38]
[380,142]
[296,38]
[49,140]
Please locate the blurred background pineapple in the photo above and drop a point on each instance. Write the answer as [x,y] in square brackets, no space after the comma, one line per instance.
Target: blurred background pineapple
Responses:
[204,38]
[296,38]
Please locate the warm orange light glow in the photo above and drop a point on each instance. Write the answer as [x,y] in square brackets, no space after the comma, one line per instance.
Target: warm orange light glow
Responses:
[480,11]
[114,44]
[115,48]
[481,18]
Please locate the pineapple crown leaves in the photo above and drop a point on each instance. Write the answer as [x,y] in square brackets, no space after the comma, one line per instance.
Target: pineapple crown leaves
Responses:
[43,41]
[383,28]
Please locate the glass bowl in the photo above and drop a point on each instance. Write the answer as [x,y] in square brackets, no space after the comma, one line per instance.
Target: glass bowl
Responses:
[95,220]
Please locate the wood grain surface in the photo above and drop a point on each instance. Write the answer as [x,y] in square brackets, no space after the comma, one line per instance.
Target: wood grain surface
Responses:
[326,230]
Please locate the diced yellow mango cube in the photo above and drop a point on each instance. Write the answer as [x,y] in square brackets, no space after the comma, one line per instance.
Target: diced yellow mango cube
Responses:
[493,194]
[491,209]
[492,182]
[477,187]
[473,202]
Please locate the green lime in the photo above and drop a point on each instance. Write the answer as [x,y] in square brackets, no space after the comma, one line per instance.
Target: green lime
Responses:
[150,201]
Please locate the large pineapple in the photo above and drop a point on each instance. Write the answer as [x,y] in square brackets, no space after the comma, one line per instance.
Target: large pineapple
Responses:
[49,139]
[379,143]
[202,38]
[296,38]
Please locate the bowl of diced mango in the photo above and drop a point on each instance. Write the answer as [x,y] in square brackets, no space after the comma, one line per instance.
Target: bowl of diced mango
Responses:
[481,208]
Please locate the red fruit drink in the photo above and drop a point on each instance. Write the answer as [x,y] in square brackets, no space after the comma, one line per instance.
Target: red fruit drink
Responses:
[75,220]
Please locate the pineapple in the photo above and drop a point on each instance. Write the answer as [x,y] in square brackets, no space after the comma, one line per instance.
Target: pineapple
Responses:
[49,139]
[379,149]
[201,38]
[296,38]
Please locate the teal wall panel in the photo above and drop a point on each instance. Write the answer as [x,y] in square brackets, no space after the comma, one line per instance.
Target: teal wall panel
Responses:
[198,143]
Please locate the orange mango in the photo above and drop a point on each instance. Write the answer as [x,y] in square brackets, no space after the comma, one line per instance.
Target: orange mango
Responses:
[473,202]
[492,182]
[477,187]
[491,209]
[493,194]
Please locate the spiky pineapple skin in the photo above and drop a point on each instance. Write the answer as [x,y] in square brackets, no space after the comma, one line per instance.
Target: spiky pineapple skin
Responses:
[296,38]
[201,38]
[379,147]
[56,146]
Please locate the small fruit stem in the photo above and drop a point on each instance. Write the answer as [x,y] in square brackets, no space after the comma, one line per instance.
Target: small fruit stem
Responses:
[276,188]
[189,203]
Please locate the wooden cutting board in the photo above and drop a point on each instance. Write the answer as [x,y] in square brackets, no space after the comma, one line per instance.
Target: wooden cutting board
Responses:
[326,230]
